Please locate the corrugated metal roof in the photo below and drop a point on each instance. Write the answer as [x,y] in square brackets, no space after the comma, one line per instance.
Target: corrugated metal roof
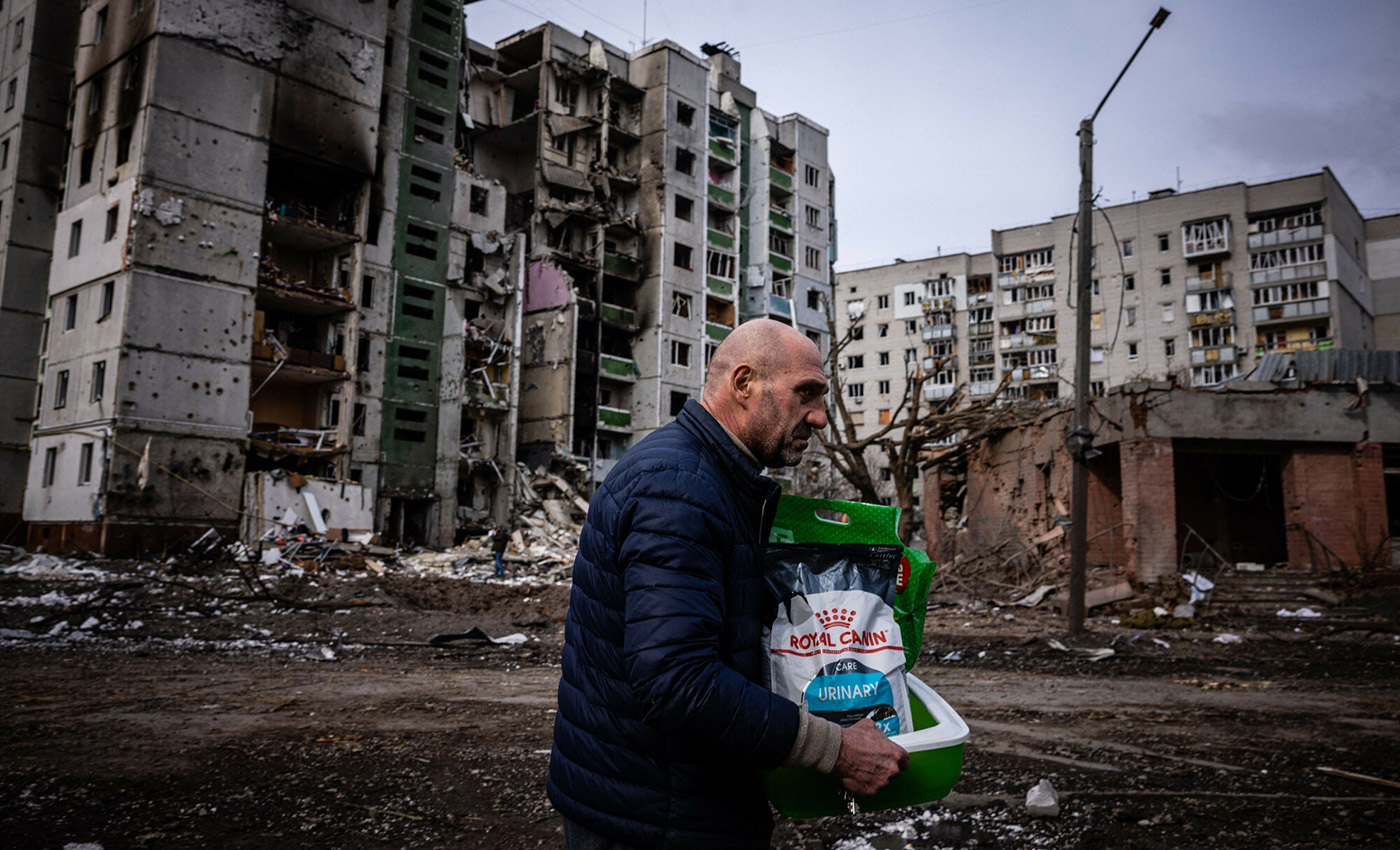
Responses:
[1340,365]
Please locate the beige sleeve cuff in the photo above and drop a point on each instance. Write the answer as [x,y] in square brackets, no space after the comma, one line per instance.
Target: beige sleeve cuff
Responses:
[818,744]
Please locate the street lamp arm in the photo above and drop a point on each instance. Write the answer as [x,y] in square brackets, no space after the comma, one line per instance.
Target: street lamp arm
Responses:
[1157,21]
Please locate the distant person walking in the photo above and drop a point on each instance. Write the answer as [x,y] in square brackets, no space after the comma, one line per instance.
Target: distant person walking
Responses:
[500,539]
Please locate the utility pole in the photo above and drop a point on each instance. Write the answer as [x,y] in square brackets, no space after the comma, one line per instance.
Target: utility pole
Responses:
[1079,441]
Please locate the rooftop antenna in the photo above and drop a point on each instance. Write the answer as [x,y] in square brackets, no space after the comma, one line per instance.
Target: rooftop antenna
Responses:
[644,23]
[1178,178]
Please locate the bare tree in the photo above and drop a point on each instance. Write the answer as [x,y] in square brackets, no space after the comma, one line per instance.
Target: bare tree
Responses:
[920,432]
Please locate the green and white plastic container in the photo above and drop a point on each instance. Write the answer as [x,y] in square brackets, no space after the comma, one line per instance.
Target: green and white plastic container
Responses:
[935,763]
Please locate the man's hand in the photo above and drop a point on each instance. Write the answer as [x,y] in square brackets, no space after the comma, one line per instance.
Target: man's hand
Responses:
[868,760]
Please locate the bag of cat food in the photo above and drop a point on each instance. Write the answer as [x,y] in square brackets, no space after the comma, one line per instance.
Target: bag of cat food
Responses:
[832,643]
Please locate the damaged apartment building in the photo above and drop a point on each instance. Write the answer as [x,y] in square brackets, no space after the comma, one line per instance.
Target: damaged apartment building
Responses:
[1197,300]
[661,207]
[333,264]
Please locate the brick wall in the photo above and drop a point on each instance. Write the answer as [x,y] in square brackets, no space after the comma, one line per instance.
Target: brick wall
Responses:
[1149,506]
[1338,494]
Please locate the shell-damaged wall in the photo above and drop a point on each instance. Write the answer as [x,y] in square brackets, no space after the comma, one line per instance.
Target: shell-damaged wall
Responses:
[181,114]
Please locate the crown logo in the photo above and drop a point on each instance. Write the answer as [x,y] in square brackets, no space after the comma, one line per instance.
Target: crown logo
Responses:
[836,618]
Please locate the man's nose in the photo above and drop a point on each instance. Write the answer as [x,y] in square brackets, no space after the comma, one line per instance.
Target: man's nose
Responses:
[817,418]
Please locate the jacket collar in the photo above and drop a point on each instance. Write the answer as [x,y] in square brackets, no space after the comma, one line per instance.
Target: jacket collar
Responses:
[698,421]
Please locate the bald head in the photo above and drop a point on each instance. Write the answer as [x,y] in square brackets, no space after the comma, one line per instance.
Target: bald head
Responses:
[767,385]
[763,344]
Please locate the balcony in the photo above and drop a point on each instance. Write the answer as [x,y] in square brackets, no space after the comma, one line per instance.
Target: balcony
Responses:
[1295,345]
[480,394]
[621,265]
[779,262]
[780,178]
[981,388]
[719,287]
[1303,271]
[614,418]
[624,316]
[1205,237]
[780,218]
[1212,318]
[978,299]
[779,306]
[720,195]
[723,149]
[618,368]
[1026,340]
[940,364]
[1311,233]
[1291,310]
[720,240]
[981,328]
[717,331]
[1028,374]
[935,392]
[1219,280]
[936,332]
[939,305]
[1213,354]
[1040,275]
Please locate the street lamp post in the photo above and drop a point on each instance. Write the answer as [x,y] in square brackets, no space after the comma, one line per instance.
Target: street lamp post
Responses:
[1079,441]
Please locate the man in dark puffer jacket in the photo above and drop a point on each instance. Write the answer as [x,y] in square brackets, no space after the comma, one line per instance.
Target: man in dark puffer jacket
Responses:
[663,725]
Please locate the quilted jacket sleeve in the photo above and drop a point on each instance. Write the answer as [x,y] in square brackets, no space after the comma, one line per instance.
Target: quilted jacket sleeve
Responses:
[675,543]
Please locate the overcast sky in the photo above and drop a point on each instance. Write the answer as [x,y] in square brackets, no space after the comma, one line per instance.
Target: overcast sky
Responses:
[952,117]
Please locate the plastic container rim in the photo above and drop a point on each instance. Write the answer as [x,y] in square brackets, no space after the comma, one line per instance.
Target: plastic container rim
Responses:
[950,731]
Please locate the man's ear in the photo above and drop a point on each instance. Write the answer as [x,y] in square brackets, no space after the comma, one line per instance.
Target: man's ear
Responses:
[741,380]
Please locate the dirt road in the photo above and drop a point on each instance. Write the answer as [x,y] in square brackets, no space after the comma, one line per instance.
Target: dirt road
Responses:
[226,723]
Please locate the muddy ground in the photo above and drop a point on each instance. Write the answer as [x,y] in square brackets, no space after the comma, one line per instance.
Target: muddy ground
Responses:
[170,710]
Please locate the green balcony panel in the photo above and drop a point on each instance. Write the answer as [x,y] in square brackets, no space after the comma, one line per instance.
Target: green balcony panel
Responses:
[722,151]
[780,262]
[779,305]
[619,368]
[619,315]
[620,264]
[611,416]
[719,287]
[780,219]
[724,196]
[780,177]
[717,332]
[721,240]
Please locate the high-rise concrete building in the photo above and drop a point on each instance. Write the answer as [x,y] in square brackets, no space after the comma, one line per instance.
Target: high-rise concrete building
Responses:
[1189,287]
[662,207]
[334,263]
[36,77]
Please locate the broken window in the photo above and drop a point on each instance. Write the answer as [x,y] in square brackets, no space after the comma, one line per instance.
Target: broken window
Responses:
[685,208]
[432,69]
[1130,315]
[85,464]
[681,256]
[813,257]
[1129,283]
[855,361]
[1127,247]
[882,302]
[1169,347]
[75,237]
[70,312]
[108,295]
[884,387]
[19,34]
[1132,351]
[811,175]
[85,157]
[1028,261]
[100,30]
[814,299]
[780,243]
[60,390]
[10,92]
[1163,242]
[910,298]
[1166,277]
[678,401]
[685,161]
[50,463]
[685,114]
[95,94]
[357,424]
[813,216]
[99,380]
[367,291]
[680,305]
[5,154]
[858,332]
[884,358]
[110,231]
[1204,237]
[856,391]
[911,327]
[680,354]
[1096,389]
[882,329]
[720,265]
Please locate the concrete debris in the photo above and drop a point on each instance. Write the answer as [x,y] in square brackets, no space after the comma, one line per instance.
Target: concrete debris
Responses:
[1042,801]
[1035,597]
[1301,612]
